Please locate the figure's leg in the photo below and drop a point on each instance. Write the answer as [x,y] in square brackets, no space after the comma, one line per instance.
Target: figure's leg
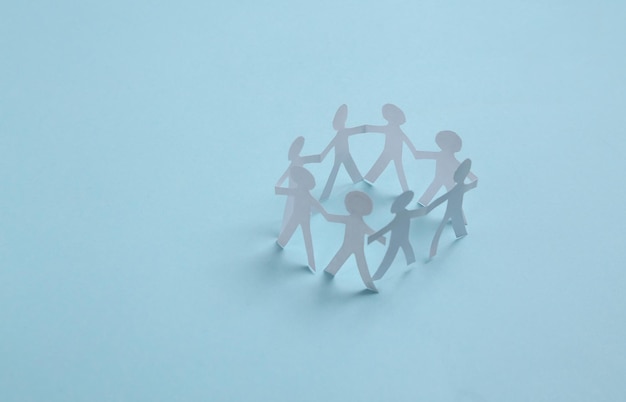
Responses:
[458,225]
[430,192]
[392,250]
[352,170]
[338,260]
[435,243]
[361,264]
[308,243]
[331,181]
[288,212]
[287,232]
[408,252]
[378,168]
[401,175]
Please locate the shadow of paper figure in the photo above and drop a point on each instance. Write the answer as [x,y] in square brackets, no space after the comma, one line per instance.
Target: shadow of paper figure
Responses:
[303,203]
[399,228]
[358,204]
[394,141]
[454,209]
[341,146]
[295,159]
[446,164]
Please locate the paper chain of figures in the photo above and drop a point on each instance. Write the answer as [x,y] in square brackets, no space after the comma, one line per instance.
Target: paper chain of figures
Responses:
[449,172]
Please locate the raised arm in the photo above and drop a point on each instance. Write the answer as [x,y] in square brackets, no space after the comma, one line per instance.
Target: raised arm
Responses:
[378,234]
[311,158]
[282,178]
[369,230]
[471,185]
[336,218]
[472,176]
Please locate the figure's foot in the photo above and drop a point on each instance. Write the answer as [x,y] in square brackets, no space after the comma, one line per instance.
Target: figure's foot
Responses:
[461,236]
[330,274]
[370,286]
[369,181]
[422,203]
[280,245]
[311,267]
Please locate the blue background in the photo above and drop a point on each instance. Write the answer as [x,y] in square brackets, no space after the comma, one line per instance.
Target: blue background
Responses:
[139,145]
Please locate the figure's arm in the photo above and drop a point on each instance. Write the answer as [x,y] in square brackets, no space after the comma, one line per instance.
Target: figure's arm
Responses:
[312,158]
[327,149]
[354,130]
[375,129]
[471,185]
[282,178]
[409,144]
[472,176]
[284,191]
[378,234]
[414,213]
[425,155]
[436,203]
[335,218]
[316,204]
[370,231]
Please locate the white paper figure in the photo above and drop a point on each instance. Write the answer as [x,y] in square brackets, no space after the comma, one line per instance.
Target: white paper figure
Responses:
[342,151]
[394,139]
[358,204]
[399,228]
[295,159]
[454,209]
[303,203]
[446,164]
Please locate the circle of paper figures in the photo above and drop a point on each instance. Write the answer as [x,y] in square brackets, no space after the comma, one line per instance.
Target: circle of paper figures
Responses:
[449,173]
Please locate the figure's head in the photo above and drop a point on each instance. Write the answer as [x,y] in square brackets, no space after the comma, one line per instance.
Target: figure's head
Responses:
[462,171]
[449,141]
[393,114]
[302,177]
[295,148]
[402,201]
[339,122]
[358,203]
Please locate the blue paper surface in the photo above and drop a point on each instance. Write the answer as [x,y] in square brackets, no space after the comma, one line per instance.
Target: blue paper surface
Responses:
[139,146]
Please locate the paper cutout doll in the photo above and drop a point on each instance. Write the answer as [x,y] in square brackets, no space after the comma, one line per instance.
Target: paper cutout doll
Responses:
[303,203]
[399,228]
[358,204]
[394,139]
[342,151]
[295,160]
[454,209]
[446,164]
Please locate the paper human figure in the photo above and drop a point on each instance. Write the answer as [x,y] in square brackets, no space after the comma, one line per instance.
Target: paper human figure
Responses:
[399,228]
[394,141]
[295,159]
[342,151]
[303,203]
[446,164]
[454,209]
[358,204]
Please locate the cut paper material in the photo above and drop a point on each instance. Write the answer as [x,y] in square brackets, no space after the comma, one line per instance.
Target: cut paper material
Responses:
[303,203]
[342,151]
[454,209]
[358,204]
[399,228]
[446,164]
[394,140]
[295,159]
